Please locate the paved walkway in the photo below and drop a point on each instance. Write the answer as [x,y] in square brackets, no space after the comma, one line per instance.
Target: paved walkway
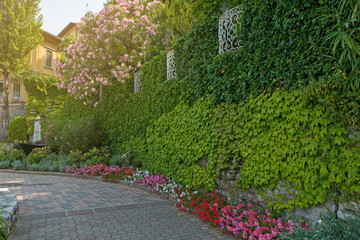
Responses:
[53,207]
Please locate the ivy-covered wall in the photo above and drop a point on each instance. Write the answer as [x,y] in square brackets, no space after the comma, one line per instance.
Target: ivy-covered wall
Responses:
[284,47]
[274,110]
[272,138]
[126,115]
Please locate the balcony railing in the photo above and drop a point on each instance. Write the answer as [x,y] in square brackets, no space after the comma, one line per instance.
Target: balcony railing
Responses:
[229,30]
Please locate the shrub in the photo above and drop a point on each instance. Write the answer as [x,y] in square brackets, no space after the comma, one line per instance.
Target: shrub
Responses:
[79,133]
[75,158]
[19,128]
[33,167]
[16,155]
[98,160]
[52,157]
[329,228]
[44,165]
[116,160]
[5,164]
[3,156]
[38,154]
[63,162]
[18,165]
[4,148]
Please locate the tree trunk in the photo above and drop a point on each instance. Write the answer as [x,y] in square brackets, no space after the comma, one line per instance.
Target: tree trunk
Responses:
[5,106]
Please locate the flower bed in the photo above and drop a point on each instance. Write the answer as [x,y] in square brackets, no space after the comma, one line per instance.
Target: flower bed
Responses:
[109,174]
[243,221]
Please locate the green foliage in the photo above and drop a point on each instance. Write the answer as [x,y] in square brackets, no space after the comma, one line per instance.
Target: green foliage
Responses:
[340,103]
[126,116]
[77,133]
[16,155]
[330,228]
[20,24]
[63,162]
[75,158]
[5,164]
[33,167]
[98,160]
[344,35]
[37,155]
[283,48]
[272,139]
[4,148]
[94,152]
[282,138]
[174,19]
[95,156]
[18,165]
[207,8]
[180,139]
[44,88]
[3,227]
[20,128]
[37,105]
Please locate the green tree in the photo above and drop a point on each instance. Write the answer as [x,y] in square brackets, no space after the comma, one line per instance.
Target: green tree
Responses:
[20,24]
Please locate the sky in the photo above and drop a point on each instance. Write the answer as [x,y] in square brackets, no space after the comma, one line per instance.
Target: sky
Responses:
[58,13]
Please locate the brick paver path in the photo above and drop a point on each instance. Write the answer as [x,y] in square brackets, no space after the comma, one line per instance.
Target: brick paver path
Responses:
[53,207]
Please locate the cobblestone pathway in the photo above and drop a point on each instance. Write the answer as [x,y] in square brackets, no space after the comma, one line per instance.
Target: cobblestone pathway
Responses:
[53,207]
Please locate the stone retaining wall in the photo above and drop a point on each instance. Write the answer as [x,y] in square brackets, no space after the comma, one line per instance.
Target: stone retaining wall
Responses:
[8,208]
[226,188]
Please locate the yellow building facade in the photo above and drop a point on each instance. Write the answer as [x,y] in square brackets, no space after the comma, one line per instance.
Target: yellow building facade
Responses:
[42,58]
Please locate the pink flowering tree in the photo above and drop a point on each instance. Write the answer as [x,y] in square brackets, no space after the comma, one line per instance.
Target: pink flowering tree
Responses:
[113,43]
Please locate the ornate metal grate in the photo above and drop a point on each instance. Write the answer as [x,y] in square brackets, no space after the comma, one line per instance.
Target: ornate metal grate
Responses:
[171,71]
[137,81]
[229,30]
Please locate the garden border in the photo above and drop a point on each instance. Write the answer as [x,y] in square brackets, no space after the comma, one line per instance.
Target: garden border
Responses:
[9,209]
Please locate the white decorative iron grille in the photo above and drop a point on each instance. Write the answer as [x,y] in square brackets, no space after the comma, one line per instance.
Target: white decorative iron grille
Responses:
[171,71]
[137,81]
[229,30]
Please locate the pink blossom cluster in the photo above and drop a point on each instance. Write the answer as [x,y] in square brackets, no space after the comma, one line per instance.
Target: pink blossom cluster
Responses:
[248,223]
[95,170]
[100,170]
[112,43]
[153,180]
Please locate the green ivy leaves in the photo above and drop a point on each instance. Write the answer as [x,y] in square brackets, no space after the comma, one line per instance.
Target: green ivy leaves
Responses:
[271,139]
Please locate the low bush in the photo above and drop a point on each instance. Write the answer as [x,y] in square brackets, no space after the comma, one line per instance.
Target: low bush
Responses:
[75,158]
[44,165]
[80,133]
[38,154]
[33,167]
[16,155]
[18,165]
[329,228]
[5,164]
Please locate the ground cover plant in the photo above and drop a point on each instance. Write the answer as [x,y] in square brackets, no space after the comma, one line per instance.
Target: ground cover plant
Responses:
[329,227]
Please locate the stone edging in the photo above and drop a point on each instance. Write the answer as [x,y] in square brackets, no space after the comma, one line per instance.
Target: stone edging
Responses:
[9,208]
